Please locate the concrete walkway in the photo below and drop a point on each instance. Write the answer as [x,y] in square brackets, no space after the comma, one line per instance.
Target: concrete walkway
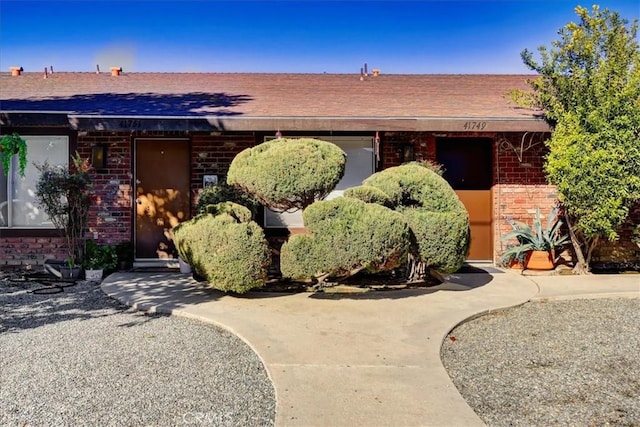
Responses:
[368,359]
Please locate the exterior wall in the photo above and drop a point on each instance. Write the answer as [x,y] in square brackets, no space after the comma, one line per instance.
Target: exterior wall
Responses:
[110,215]
[519,186]
[212,155]
[30,251]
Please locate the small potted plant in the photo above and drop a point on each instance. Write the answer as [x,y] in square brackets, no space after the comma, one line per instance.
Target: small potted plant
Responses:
[538,243]
[98,259]
[11,145]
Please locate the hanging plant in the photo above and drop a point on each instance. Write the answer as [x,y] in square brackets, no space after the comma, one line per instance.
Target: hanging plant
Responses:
[9,146]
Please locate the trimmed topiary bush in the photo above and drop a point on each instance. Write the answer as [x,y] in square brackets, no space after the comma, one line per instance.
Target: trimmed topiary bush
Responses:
[442,238]
[369,194]
[437,218]
[224,192]
[346,236]
[288,174]
[225,247]
[415,184]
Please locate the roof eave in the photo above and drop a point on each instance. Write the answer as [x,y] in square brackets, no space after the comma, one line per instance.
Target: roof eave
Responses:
[93,122]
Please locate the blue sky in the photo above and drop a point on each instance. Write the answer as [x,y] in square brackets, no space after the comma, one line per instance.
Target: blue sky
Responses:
[282,36]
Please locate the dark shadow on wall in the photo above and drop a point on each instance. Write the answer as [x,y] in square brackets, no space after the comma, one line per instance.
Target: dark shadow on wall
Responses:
[172,104]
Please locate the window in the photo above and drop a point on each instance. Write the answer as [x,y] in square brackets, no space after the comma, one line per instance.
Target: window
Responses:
[360,165]
[18,205]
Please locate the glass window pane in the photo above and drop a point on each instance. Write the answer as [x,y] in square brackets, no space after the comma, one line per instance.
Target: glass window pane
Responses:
[4,204]
[25,209]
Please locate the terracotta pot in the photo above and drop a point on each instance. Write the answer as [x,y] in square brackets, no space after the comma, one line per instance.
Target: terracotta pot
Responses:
[516,264]
[539,260]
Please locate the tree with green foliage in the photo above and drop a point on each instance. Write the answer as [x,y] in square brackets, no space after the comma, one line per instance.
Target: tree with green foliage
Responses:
[288,174]
[588,86]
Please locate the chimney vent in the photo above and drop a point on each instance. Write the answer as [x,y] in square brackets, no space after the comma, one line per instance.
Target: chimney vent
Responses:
[45,73]
[16,71]
[115,71]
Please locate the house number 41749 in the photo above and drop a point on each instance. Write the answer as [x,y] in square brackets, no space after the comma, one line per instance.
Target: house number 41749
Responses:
[474,125]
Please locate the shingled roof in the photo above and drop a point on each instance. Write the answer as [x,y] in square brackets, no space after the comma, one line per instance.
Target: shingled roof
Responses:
[253,101]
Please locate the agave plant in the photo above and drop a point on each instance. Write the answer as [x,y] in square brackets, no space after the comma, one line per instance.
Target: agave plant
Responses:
[536,237]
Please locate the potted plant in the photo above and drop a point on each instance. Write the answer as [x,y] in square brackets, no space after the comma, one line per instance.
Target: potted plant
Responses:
[65,195]
[538,243]
[98,259]
[514,257]
[11,145]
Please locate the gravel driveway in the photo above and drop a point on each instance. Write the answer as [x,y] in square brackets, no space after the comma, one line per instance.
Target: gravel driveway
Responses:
[79,358]
[560,363]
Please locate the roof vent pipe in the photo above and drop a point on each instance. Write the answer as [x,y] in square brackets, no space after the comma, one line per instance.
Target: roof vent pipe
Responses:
[46,73]
[115,71]
[16,71]
[97,68]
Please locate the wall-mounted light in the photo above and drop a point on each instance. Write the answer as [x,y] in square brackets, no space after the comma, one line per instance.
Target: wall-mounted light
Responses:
[278,134]
[99,157]
[407,154]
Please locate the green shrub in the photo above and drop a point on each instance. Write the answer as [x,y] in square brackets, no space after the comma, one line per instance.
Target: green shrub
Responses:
[224,192]
[368,194]
[346,236]
[437,218]
[416,184]
[238,212]
[287,174]
[442,238]
[227,249]
[99,256]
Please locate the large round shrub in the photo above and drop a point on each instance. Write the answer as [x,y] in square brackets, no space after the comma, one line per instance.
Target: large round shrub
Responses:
[346,236]
[437,218]
[287,174]
[225,247]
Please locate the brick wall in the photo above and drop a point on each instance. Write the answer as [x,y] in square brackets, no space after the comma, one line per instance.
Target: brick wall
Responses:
[110,215]
[212,155]
[520,185]
[30,251]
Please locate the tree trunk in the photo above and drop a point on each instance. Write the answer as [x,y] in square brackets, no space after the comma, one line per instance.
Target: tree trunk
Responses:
[582,264]
[416,270]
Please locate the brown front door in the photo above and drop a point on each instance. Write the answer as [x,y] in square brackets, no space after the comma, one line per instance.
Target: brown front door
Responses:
[468,165]
[162,195]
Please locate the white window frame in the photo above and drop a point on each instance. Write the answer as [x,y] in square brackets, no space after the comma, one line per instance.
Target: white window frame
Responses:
[13,175]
